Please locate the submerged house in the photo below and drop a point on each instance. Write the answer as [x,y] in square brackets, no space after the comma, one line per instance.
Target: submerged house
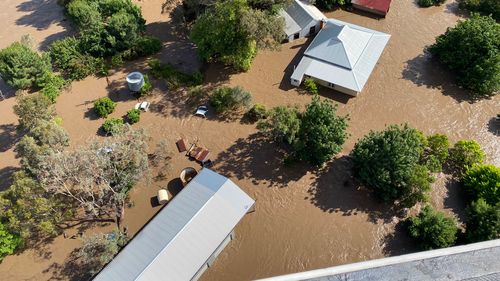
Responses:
[185,237]
[301,19]
[342,56]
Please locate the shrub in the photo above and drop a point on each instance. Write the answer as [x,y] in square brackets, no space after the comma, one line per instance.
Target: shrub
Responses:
[67,56]
[485,7]
[483,181]
[147,87]
[465,154]
[8,242]
[483,221]
[133,116]
[227,99]
[113,126]
[436,152]
[256,113]
[432,229]
[174,77]
[282,124]
[31,108]
[22,67]
[428,3]
[104,106]
[51,85]
[470,49]
[329,4]
[117,60]
[196,96]
[322,132]
[145,46]
[311,86]
[387,162]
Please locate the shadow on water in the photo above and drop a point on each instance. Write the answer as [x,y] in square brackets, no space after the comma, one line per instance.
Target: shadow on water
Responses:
[423,70]
[257,159]
[73,269]
[494,126]
[455,199]
[399,242]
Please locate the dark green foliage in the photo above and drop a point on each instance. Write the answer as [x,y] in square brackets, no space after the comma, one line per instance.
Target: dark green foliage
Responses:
[311,86]
[104,106]
[113,126]
[483,181]
[387,161]
[432,229]
[31,108]
[465,154]
[196,96]
[428,3]
[67,56]
[226,99]
[230,32]
[133,116]
[51,85]
[147,87]
[256,113]
[23,68]
[145,46]
[483,221]
[329,4]
[174,77]
[282,124]
[8,242]
[322,132]
[436,152]
[272,6]
[485,7]
[472,51]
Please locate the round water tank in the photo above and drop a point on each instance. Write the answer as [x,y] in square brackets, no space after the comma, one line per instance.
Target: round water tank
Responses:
[135,81]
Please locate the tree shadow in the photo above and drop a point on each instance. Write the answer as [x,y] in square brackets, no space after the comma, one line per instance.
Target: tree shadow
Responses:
[6,176]
[494,126]
[258,159]
[6,90]
[455,199]
[335,190]
[9,136]
[399,242]
[423,70]
[91,114]
[453,8]
[72,269]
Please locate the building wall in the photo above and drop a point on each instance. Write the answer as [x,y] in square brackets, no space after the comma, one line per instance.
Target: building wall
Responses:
[331,86]
[305,32]
[212,258]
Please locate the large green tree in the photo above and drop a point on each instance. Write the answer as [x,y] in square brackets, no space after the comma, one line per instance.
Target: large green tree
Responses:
[483,221]
[483,181]
[485,7]
[282,125]
[432,229]
[471,49]
[30,109]
[464,155]
[388,162]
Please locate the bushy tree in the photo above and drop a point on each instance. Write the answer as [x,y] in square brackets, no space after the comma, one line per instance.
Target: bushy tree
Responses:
[67,56]
[465,154]
[113,126]
[311,86]
[256,113]
[231,32]
[483,221]
[436,152]
[471,50]
[226,99]
[104,106]
[387,161]
[483,181]
[329,4]
[428,3]
[133,116]
[272,6]
[432,229]
[31,108]
[485,7]
[322,133]
[8,242]
[282,124]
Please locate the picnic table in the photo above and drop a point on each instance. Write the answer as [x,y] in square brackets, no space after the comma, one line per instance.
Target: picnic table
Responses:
[199,153]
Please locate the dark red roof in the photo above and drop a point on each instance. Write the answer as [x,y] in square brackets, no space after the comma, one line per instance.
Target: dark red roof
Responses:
[377,5]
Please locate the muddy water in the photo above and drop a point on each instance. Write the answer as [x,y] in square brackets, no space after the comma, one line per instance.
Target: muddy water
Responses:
[305,219]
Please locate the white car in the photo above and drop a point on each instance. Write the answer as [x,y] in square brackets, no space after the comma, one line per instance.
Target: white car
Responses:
[201,111]
[142,105]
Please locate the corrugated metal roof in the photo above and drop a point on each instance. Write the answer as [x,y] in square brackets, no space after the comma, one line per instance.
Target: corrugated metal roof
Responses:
[343,54]
[299,15]
[381,6]
[176,243]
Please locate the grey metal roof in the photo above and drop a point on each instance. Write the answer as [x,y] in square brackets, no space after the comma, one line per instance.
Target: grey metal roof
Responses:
[343,54]
[299,15]
[177,242]
[473,262]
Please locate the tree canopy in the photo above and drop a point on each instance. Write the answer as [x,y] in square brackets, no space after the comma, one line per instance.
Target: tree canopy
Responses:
[483,181]
[485,7]
[8,242]
[464,155]
[471,49]
[432,229]
[483,221]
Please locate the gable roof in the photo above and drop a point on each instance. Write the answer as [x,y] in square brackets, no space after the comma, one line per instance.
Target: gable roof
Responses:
[299,15]
[343,54]
[180,239]
[381,6]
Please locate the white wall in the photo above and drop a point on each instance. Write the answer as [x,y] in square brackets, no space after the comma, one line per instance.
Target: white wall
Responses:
[305,32]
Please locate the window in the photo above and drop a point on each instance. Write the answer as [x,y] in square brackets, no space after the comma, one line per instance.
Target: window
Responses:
[312,30]
[296,36]
[331,85]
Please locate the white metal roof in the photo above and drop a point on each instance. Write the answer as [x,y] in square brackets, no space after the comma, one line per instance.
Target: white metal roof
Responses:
[178,241]
[299,15]
[343,54]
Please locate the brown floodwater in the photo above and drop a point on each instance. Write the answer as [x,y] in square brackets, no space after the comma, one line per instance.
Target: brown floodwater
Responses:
[304,219]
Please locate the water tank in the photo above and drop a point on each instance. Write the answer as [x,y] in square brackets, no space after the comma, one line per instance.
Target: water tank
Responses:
[135,81]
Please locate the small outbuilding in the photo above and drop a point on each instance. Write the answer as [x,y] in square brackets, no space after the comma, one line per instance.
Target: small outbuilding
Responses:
[301,19]
[377,7]
[183,239]
[342,56]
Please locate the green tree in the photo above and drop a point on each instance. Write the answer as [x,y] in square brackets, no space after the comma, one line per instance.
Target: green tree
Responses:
[432,229]
[428,3]
[329,4]
[282,125]
[483,181]
[256,113]
[483,221]
[104,106]
[465,154]
[322,132]
[31,108]
[133,116]
[436,152]
[387,161]
[8,242]
[485,7]
[113,126]
[471,50]
[226,99]
[67,56]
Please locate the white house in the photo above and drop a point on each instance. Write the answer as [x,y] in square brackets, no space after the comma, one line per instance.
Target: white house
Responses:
[342,57]
[301,19]
[183,239]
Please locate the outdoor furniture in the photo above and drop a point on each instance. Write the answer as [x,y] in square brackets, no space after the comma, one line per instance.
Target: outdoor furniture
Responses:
[182,145]
[162,196]
[201,111]
[144,106]
[187,174]
[199,153]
